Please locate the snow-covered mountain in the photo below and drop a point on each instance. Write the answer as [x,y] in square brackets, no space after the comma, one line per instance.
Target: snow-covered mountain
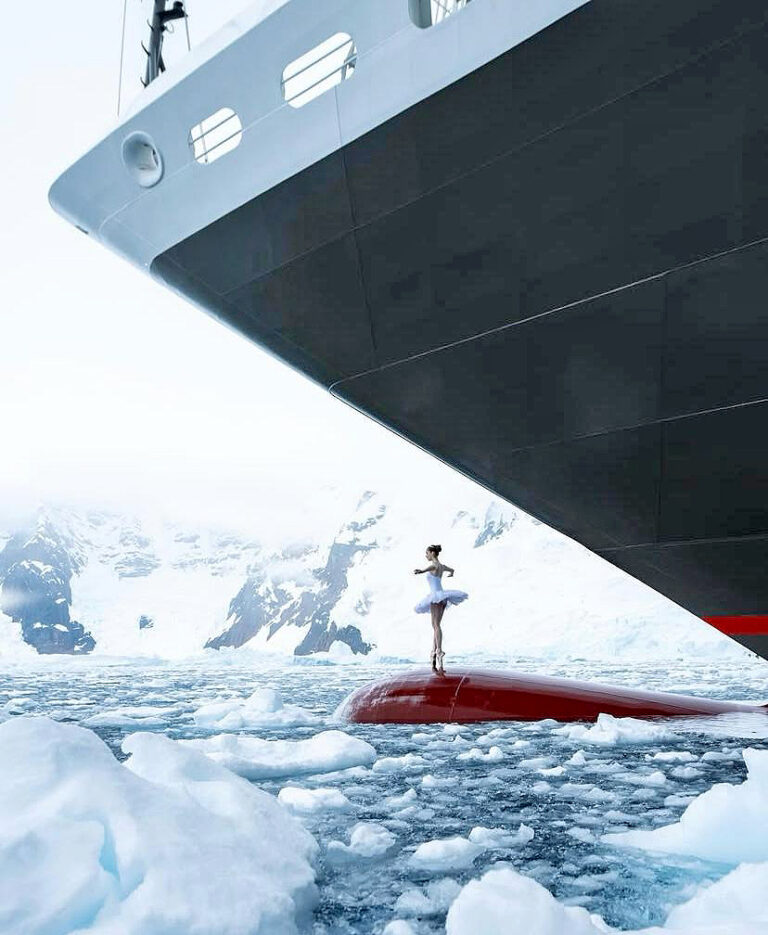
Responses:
[76,581]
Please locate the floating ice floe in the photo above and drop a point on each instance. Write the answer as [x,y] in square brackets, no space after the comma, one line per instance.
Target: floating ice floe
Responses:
[609,731]
[264,708]
[727,823]
[476,755]
[366,840]
[393,764]
[503,901]
[310,801]
[136,717]
[434,899]
[492,838]
[401,801]
[90,844]
[445,854]
[399,927]
[254,758]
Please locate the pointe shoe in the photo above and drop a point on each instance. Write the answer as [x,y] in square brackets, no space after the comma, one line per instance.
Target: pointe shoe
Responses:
[433,659]
[440,667]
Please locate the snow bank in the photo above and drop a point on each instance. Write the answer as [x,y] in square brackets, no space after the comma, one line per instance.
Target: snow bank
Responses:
[728,823]
[310,801]
[610,731]
[445,854]
[367,839]
[264,708]
[254,758]
[171,844]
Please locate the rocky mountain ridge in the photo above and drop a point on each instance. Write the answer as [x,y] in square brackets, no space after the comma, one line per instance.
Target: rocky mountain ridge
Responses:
[76,582]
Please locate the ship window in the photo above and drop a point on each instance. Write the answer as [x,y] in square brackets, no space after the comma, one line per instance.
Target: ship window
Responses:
[426,13]
[318,70]
[216,135]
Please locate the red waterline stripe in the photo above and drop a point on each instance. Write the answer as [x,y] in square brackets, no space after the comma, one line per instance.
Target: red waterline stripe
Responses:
[741,625]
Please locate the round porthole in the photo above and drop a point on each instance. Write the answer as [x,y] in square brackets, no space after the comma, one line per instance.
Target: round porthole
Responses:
[142,159]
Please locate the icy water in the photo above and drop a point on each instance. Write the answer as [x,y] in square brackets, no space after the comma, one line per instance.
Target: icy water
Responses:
[568,803]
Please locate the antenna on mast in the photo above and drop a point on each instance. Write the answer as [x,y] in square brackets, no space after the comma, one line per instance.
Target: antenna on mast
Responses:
[161,16]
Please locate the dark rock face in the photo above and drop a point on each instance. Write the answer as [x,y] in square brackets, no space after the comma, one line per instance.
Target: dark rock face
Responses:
[36,568]
[263,603]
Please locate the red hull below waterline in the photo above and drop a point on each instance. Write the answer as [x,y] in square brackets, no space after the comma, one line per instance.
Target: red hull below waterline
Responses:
[465,695]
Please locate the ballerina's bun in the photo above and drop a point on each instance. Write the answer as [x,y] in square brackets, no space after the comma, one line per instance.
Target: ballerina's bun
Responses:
[437,549]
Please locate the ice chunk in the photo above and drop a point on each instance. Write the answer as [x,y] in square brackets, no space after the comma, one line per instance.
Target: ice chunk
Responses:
[254,758]
[656,778]
[435,899]
[91,844]
[367,839]
[264,708]
[673,756]
[445,854]
[401,801]
[399,927]
[609,731]
[728,823]
[503,901]
[578,759]
[686,772]
[309,801]
[734,905]
[582,834]
[476,755]
[393,764]
[437,782]
[501,837]
[553,771]
[133,717]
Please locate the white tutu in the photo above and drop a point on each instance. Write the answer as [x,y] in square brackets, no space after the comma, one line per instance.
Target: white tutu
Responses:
[437,595]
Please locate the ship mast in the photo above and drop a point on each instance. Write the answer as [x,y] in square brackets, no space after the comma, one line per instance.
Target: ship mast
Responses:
[161,16]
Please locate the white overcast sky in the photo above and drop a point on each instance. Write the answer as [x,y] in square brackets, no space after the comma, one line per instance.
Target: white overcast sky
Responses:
[113,390]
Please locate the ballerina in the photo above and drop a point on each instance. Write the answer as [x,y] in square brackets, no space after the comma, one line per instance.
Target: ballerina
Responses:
[436,601]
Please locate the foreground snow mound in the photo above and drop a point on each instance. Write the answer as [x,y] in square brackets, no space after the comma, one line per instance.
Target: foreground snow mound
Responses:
[727,823]
[254,758]
[264,708]
[503,902]
[172,844]
[610,731]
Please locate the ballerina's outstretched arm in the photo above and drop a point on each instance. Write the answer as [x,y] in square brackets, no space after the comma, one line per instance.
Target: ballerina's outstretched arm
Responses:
[449,570]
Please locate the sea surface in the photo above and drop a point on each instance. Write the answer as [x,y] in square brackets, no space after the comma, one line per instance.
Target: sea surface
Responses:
[617,787]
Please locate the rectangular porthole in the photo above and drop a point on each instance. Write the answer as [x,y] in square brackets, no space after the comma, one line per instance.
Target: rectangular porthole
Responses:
[425,13]
[319,70]
[216,135]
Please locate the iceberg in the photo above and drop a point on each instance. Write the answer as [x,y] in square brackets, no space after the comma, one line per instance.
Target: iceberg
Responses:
[169,842]
[727,823]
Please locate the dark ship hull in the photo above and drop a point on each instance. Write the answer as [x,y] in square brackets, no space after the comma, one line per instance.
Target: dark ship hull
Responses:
[549,221]
[565,252]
